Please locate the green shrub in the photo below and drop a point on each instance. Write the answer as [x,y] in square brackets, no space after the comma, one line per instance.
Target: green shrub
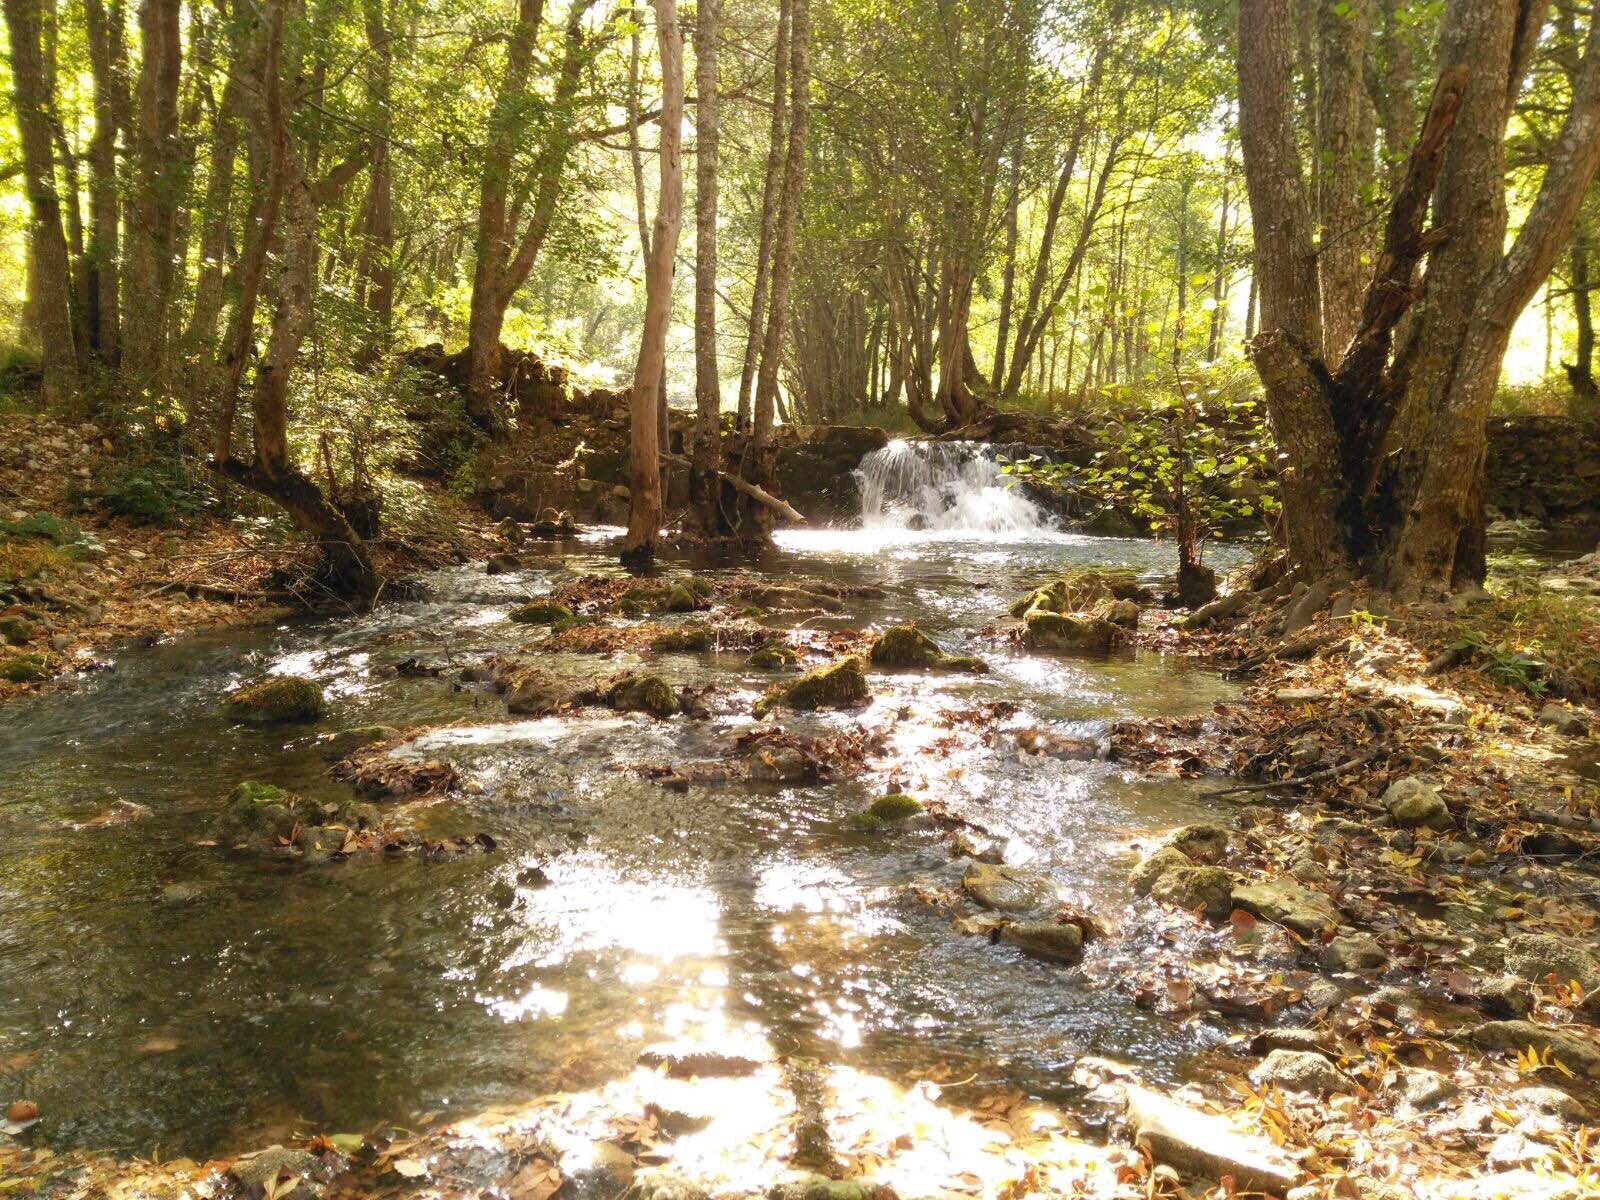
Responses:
[157,490]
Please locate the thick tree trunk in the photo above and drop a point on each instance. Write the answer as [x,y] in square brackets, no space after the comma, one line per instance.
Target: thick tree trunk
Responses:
[1342,31]
[160,188]
[704,491]
[493,246]
[644,518]
[1411,520]
[103,28]
[50,284]
[758,467]
[769,214]
[375,267]
[216,219]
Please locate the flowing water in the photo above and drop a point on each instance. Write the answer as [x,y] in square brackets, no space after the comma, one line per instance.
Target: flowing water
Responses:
[945,487]
[155,992]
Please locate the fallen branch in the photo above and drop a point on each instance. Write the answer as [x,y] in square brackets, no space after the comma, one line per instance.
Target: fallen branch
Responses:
[1544,816]
[207,591]
[761,495]
[1300,780]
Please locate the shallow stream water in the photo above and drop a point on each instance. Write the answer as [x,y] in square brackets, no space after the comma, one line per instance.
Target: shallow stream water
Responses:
[159,993]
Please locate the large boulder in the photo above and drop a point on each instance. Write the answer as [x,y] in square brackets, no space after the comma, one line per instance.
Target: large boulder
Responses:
[905,647]
[541,612]
[1070,631]
[535,693]
[1301,1071]
[277,699]
[1292,905]
[1150,870]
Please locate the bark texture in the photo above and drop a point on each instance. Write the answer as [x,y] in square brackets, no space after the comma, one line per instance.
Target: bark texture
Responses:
[644,461]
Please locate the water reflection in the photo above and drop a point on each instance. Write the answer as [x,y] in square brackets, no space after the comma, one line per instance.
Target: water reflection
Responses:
[160,993]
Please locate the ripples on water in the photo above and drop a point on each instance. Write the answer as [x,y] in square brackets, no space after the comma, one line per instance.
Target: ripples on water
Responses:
[251,999]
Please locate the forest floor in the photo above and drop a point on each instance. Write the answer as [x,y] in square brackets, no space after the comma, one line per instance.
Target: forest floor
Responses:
[75,578]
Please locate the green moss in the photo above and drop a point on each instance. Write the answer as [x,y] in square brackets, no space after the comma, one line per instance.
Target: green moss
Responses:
[24,668]
[887,810]
[250,792]
[1067,631]
[905,646]
[776,657]
[279,698]
[541,612]
[681,600]
[1080,590]
[686,639]
[16,630]
[643,693]
[841,684]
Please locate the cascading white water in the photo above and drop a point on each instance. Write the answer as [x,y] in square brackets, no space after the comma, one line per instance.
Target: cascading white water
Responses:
[946,487]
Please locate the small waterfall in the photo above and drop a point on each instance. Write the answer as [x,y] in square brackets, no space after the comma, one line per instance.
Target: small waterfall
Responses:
[947,487]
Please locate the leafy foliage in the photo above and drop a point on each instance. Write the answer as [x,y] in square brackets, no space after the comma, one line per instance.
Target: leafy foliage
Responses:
[1207,442]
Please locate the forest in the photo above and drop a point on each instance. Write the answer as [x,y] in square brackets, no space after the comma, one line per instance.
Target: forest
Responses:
[816,599]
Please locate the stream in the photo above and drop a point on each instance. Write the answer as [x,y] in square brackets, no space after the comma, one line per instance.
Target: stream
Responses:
[159,993]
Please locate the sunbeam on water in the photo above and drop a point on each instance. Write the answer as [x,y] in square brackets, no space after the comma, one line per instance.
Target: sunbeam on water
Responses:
[200,1001]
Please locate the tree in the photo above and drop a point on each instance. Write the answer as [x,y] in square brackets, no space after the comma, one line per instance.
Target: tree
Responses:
[758,467]
[1384,447]
[644,461]
[704,491]
[47,243]
[272,471]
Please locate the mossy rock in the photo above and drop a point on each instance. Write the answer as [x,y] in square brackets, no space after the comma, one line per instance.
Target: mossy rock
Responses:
[278,699]
[259,815]
[16,631]
[643,693]
[887,811]
[776,657]
[541,612]
[265,818]
[1069,631]
[841,684]
[680,600]
[905,647]
[24,668]
[1081,590]
[693,638]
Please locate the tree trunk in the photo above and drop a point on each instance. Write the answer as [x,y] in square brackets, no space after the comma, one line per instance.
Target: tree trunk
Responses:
[493,246]
[704,490]
[216,219]
[50,284]
[769,213]
[159,193]
[1384,460]
[272,472]
[1580,372]
[758,467]
[644,518]
[1342,31]
[103,29]
[375,268]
